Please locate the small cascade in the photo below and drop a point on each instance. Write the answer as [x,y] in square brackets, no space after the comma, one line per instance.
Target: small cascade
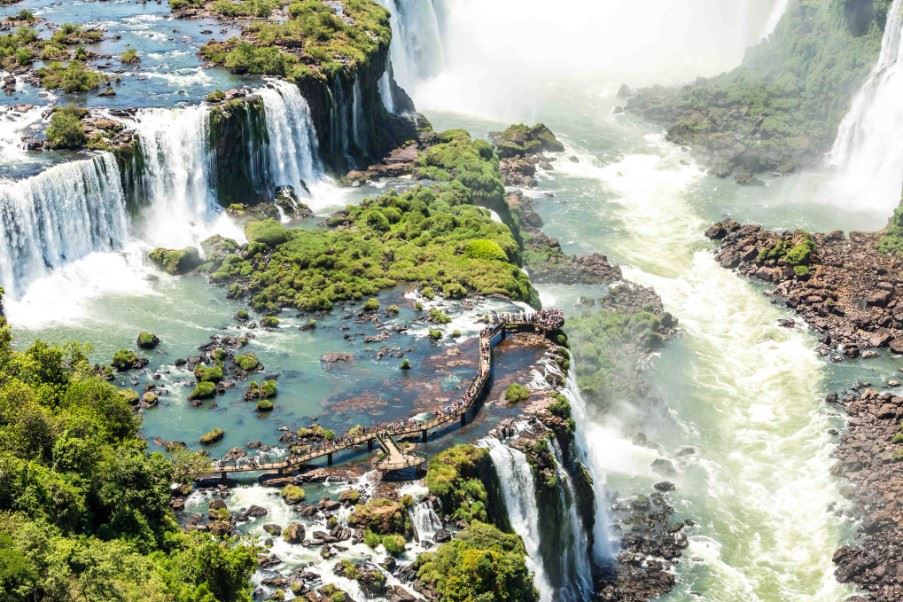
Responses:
[13,124]
[574,554]
[385,89]
[774,17]
[339,117]
[425,521]
[294,153]
[57,216]
[867,148]
[519,491]
[176,175]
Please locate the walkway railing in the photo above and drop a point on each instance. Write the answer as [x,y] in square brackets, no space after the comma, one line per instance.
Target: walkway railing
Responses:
[544,321]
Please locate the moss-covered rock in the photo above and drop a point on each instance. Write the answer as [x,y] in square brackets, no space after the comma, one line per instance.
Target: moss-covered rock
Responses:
[380,515]
[203,390]
[176,261]
[212,436]
[147,340]
[522,140]
[292,494]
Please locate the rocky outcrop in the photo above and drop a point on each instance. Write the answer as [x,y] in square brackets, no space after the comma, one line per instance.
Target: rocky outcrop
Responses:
[847,290]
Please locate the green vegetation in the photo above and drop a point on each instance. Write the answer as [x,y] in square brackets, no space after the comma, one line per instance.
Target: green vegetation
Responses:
[891,240]
[66,130]
[781,108]
[175,261]
[520,140]
[212,436]
[74,77]
[130,57]
[269,322]
[381,516]
[262,390]
[84,508]
[313,42]
[516,393]
[203,390]
[405,364]
[216,96]
[124,359]
[560,407]
[455,475]
[480,563]
[292,494]
[315,432]
[247,361]
[795,253]
[394,544]
[372,304]
[435,334]
[208,374]
[265,405]
[437,316]
[147,340]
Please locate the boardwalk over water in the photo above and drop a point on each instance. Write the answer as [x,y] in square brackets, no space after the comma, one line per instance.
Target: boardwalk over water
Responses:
[384,435]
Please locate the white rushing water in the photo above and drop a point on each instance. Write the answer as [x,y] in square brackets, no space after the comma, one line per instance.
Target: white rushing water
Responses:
[417,39]
[13,124]
[58,216]
[574,557]
[294,152]
[867,149]
[181,206]
[519,491]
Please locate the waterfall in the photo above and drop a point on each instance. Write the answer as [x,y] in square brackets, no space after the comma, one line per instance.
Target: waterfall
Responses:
[519,491]
[575,563]
[385,89]
[358,127]
[294,153]
[774,17]
[57,216]
[425,521]
[867,148]
[177,175]
[417,38]
[340,141]
[603,550]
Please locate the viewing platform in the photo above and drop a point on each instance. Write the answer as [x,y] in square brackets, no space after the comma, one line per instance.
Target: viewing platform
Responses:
[385,435]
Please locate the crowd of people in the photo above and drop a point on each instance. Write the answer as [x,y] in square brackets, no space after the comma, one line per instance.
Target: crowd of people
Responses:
[548,319]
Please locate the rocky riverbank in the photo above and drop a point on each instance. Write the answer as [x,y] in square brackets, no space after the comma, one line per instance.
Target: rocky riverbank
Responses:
[846,289]
[869,456]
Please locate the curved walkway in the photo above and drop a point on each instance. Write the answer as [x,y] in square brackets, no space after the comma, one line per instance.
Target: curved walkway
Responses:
[545,321]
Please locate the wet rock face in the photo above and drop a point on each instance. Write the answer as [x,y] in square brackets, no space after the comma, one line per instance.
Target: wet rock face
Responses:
[651,541]
[869,457]
[846,290]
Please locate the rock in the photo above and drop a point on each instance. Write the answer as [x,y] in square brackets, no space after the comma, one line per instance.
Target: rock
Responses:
[294,533]
[663,466]
[274,530]
[331,358]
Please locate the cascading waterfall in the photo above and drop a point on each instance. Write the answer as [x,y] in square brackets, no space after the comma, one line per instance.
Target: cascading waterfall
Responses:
[177,175]
[774,17]
[294,153]
[358,127]
[416,50]
[57,216]
[339,116]
[867,148]
[519,492]
[385,89]
[574,553]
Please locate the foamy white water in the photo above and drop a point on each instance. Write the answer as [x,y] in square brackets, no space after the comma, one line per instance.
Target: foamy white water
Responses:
[13,124]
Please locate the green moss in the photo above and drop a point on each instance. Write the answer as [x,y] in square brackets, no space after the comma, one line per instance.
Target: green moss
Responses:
[124,359]
[454,475]
[147,340]
[405,364]
[269,322]
[175,261]
[268,232]
[247,361]
[212,436]
[380,515]
[372,304]
[264,405]
[520,140]
[437,316]
[130,57]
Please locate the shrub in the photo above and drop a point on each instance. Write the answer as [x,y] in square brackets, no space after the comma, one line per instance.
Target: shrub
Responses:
[372,539]
[212,436]
[560,407]
[394,544]
[392,310]
[130,57]
[516,393]
[73,78]
[485,249]
[216,96]
[210,374]
[247,361]
[66,130]
[203,390]
[405,364]
[264,405]
[437,316]
[124,359]
[292,494]
[372,304]
[269,322]
[435,334]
